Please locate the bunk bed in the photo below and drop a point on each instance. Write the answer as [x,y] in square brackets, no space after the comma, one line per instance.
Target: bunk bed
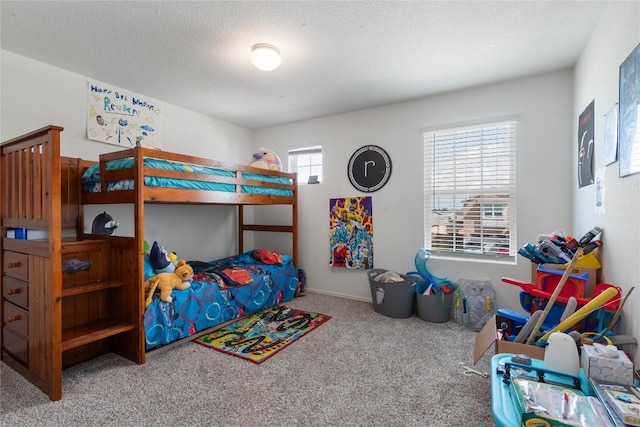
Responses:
[53,318]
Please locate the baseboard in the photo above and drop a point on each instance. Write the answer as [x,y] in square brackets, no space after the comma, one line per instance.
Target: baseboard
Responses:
[335,294]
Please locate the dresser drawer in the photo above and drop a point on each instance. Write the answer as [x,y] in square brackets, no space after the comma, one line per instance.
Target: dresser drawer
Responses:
[15,291]
[16,345]
[16,265]
[15,318]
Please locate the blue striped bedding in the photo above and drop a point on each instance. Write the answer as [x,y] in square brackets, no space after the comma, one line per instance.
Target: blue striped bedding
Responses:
[91,178]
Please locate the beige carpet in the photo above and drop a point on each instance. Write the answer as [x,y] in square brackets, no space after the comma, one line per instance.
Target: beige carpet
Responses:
[360,369]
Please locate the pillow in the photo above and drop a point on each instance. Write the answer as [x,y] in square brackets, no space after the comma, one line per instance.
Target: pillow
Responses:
[92,174]
[149,272]
[267,257]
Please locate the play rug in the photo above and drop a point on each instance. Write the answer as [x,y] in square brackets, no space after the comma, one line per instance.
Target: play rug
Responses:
[261,335]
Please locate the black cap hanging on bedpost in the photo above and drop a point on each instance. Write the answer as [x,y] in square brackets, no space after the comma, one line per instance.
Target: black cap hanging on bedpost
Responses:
[104,225]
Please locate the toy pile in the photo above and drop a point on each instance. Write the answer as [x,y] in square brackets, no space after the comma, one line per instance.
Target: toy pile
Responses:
[563,297]
[559,249]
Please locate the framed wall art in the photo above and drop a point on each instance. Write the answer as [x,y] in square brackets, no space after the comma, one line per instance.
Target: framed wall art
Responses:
[610,142]
[351,233]
[629,115]
[585,146]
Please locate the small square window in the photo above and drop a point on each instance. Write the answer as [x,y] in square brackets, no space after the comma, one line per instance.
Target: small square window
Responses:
[307,162]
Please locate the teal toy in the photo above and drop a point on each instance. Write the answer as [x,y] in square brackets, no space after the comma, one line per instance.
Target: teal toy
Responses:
[438,284]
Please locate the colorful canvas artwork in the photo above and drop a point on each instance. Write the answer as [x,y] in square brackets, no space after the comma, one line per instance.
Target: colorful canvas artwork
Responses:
[351,233]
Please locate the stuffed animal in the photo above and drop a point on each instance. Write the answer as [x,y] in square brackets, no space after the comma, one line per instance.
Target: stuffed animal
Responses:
[160,260]
[179,279]
[104,224]
[266,159]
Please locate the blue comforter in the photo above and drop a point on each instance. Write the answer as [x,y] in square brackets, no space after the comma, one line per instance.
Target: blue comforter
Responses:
[222,290]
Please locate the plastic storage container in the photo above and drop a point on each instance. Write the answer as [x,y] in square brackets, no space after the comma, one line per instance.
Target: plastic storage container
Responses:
[434,308]
[392,299]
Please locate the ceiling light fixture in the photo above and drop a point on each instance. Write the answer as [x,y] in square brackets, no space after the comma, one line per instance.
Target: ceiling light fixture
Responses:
[265,57]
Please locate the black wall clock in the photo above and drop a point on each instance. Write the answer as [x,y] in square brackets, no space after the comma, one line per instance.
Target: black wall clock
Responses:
[369,168]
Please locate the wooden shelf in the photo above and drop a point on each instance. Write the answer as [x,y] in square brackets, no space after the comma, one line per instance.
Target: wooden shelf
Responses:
[91,332]
[89,287]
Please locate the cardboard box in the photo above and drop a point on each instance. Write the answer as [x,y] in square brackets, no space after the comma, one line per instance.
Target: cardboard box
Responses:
[613,370]
[489,335]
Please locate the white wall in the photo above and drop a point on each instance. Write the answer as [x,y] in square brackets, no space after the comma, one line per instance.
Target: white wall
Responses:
[596,77]
[544,148]
[36,94]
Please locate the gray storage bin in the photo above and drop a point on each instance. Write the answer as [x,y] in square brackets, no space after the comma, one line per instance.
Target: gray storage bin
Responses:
[392,299]
[434,308]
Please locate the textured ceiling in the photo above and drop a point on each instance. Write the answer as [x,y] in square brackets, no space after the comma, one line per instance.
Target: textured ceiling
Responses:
[337,56]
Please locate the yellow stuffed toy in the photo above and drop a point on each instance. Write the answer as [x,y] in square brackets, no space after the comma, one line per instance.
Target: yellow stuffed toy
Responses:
[166,282]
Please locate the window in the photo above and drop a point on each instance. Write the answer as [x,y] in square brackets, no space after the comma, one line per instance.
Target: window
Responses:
[493,210]
[306,161]
[469,188]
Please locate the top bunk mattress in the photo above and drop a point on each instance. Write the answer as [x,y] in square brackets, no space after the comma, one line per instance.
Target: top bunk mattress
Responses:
[91,178]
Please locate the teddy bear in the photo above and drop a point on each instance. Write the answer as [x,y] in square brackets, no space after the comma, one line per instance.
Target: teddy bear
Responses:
[266,159]
[179,279]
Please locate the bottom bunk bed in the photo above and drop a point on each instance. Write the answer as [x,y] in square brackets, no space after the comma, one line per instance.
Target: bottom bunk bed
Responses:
[221,290]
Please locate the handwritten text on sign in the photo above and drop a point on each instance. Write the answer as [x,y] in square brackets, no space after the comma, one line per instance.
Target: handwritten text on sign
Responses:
[122,118]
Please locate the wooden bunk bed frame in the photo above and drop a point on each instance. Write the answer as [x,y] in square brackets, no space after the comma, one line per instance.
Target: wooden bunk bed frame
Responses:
[51,319]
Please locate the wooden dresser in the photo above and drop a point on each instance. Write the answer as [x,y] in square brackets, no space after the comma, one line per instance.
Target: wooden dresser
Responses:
[15,310]
[64,301]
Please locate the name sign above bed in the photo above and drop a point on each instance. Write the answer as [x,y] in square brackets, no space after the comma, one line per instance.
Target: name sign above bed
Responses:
[120,117]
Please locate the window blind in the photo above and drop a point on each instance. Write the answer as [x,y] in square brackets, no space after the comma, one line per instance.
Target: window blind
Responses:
[470,189]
